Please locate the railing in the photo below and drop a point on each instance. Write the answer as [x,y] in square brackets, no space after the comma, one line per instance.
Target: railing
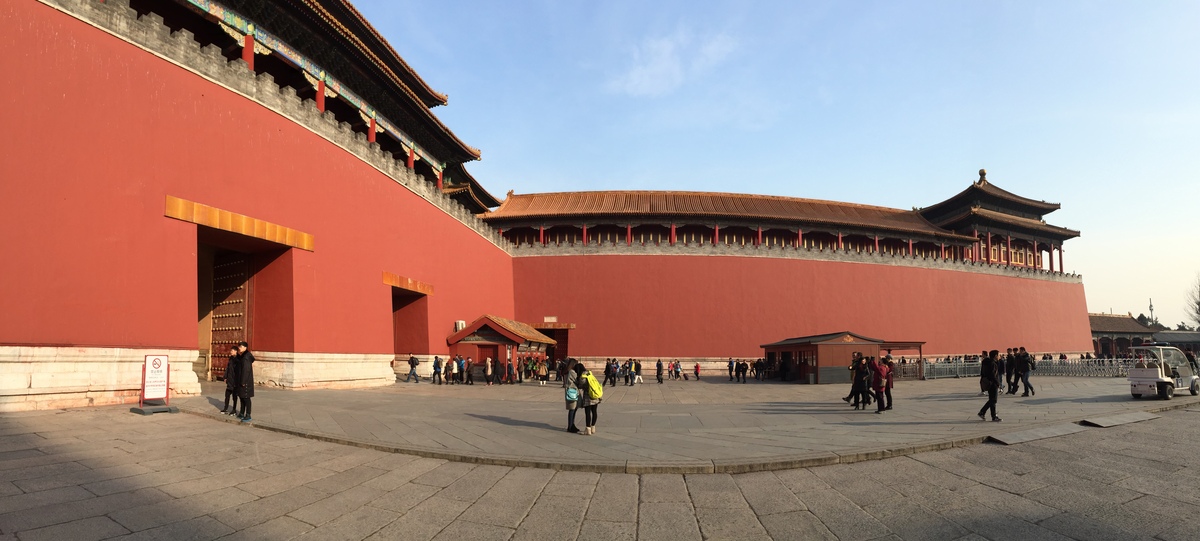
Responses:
[1104,368]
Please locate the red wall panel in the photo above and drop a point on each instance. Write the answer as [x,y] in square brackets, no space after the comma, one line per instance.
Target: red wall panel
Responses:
[698,306]
[98,132]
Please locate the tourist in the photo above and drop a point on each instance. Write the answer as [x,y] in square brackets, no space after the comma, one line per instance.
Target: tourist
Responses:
[627,372]
[487,371]
[448,372]
[437,370]
[989,379]
[232,368]
[678,370]
[887,390]
[697,371]
[743,367]
[586,381]
[543,372]
[1029,366]
[572,396]
[983,355]
[658,370]
[731,369]
[468,372]
[609,373]
[455,368]
[245,379]
[879,377]
[637,371]
[853,368]
[412,370]
[1005,367]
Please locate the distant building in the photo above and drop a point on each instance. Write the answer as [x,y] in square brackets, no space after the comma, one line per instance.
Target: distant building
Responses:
[1113,335]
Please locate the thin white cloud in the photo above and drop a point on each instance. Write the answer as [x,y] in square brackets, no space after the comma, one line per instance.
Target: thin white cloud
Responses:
[661,65]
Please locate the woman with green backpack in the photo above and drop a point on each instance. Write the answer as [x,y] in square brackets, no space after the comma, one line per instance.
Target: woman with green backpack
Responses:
[590,394]
[570,377]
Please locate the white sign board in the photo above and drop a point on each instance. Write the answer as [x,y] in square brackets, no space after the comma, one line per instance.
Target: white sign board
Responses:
[154,378]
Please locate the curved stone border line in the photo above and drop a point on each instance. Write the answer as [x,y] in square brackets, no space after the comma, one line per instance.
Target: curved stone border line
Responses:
[783,462]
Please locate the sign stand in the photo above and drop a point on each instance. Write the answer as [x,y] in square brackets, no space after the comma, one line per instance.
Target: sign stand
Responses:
[156,385]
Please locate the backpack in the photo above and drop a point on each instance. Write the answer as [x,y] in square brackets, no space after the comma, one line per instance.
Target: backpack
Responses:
[594,390]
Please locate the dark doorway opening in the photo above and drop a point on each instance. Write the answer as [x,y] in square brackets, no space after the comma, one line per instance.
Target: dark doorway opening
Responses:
[410,323]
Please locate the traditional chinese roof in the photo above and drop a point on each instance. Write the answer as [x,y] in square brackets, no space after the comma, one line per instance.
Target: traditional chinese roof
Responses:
[982,190]
[1117,324]
[708,205]
[463,187]
[838,337]
[1009,220]
[513,330]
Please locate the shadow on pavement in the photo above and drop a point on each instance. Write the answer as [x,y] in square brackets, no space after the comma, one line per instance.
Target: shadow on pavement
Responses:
[508,421]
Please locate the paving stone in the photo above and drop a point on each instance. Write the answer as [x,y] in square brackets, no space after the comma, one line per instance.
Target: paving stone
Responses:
[667,521]
[357,524]
[281,482]
[80,530]
[796,525]
[75,478]
[552,517]
[474,484]
[599,530]
[322,511]
[276,528]
[1008,503]
[663,488]
[404,473]
[403,498]
[21,502]
[345,480]
[511,499]
[422,522]
[444,474]
[725,523]
[802,480]
[59,513]
[845,519]
[573,484]
[166,512]
[196,529]
[615,498]
[248,514]
[766,494]
[465,530]
[909,520]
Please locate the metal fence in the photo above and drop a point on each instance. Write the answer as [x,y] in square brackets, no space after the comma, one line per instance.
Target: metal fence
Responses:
[1104,368]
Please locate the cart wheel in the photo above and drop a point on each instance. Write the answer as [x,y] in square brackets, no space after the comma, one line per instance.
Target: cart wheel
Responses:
[1166,391]
[1195,389]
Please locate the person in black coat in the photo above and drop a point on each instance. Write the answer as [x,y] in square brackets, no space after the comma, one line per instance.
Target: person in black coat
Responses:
[231,381]
[245,380]
[989,379]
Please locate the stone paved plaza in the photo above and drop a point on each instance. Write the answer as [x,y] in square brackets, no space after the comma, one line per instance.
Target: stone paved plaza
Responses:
[103,473]
[677,427]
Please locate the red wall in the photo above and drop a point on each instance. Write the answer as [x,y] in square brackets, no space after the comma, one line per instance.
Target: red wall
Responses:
[96,133]
[705,306]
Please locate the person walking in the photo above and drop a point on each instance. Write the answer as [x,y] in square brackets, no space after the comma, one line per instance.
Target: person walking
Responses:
[678,370]
[488,371]
[658,370]
[1029,365]
[412,369]
[880,372]
[437,370]
[609,376]
[448,372]
[572,396]
[468,371]
[696,370]
[232,368]
[245,380]
[731,369]
[887,390]
[637,371]
[542,372]
[989,379]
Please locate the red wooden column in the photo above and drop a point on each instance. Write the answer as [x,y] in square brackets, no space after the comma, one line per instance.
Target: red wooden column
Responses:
[248,50]
[321,95]
[1050,256]
[629,234]
[672,239]
[1008,242]
[910,250]
[943,250]
[799,238]
[758,239]
[412,157]
[371,133]
[439,181]
[876,243]
[585,234]
[716,234]
[989,248]
[1061,268]
[542,235]
[975,246]
[839,240]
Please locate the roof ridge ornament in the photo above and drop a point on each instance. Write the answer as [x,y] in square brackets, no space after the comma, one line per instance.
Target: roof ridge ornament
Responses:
[983,176]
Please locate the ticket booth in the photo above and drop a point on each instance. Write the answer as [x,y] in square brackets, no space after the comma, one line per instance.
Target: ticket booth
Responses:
[500,339]
[823,358]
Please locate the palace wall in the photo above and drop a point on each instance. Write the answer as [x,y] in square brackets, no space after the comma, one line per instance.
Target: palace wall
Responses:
[716,306]
[99,132]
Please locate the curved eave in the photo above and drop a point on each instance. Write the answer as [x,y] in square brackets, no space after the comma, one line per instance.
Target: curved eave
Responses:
[422,108]
[964,198]
[1015,221]
[485,199]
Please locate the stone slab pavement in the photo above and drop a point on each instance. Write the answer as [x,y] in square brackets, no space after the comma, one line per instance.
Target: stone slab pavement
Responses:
[106,473]
[677,427]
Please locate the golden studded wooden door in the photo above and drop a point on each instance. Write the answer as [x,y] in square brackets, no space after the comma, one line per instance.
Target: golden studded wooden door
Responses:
[231,295]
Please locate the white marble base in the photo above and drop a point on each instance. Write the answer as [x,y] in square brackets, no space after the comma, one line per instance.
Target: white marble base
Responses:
[322,370]
[35,377]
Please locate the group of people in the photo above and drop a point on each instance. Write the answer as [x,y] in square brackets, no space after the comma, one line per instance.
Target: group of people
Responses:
[459,370]
[239,381]
[1009,371]
[630,371]
[871,379]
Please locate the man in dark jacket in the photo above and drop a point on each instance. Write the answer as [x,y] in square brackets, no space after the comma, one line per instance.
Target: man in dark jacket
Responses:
[231,381]
[989,379]
[245,379]
[1026,365]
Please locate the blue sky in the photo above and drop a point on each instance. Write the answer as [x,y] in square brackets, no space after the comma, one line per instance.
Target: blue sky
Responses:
[1095,105]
